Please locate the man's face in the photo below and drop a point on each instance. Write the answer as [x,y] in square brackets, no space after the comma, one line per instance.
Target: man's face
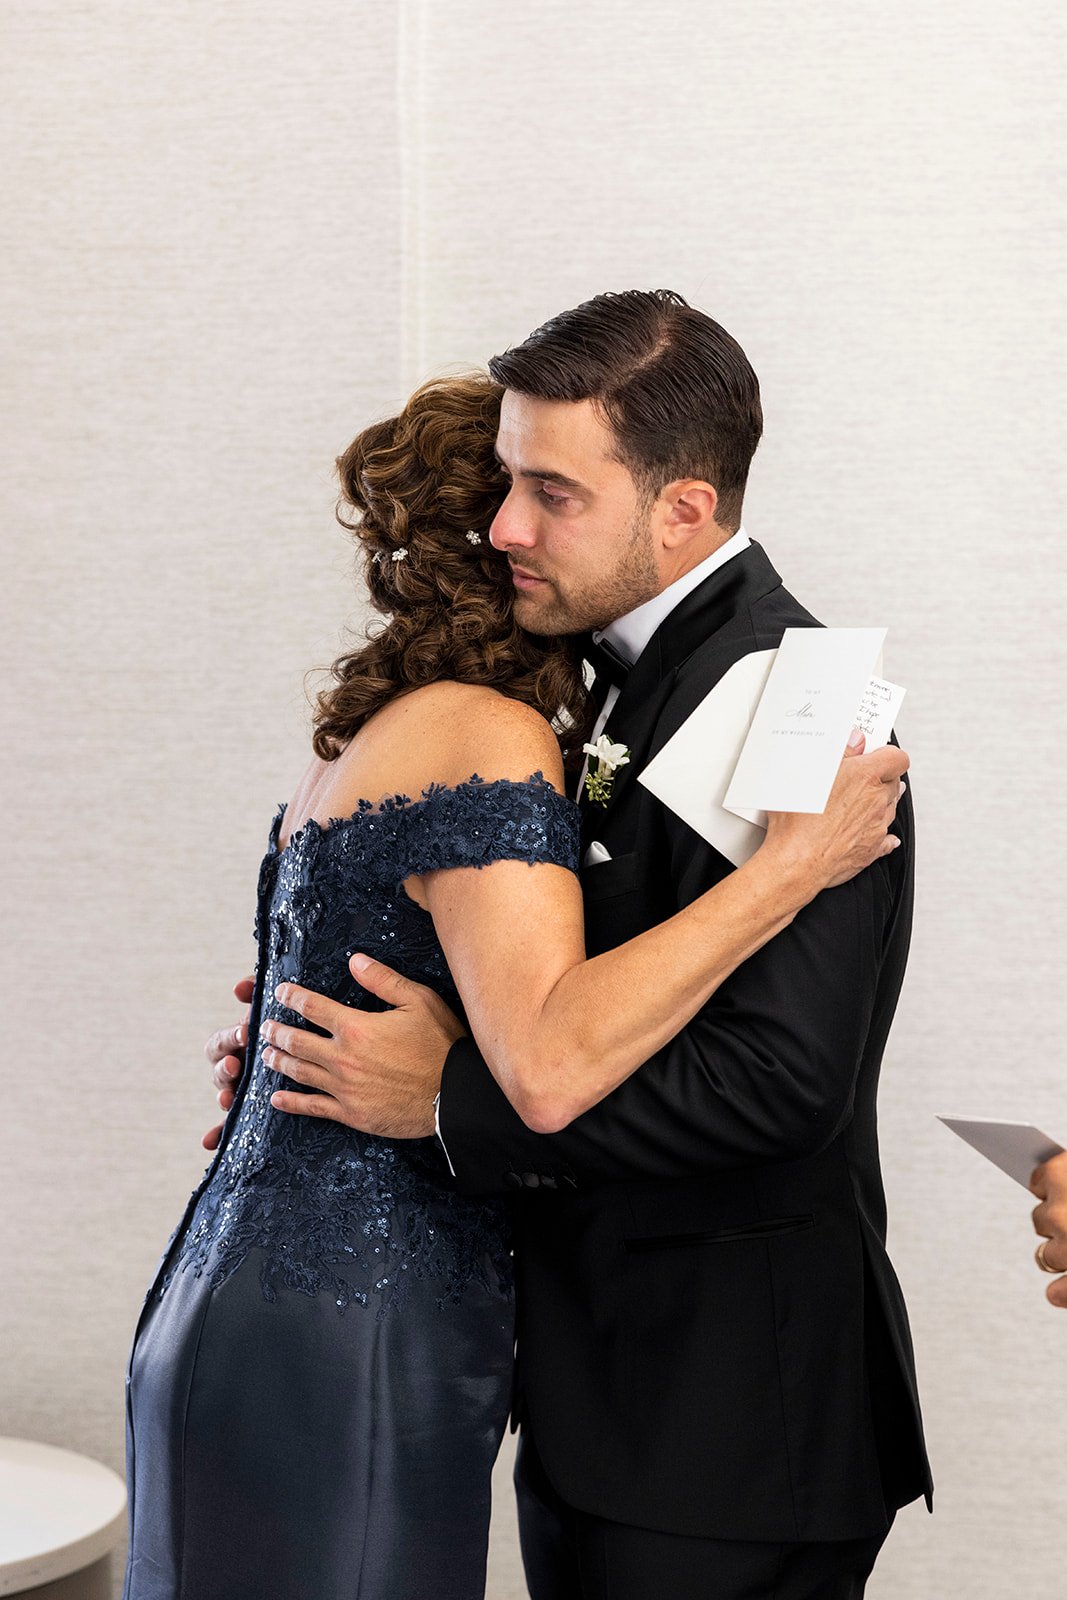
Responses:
[579,538]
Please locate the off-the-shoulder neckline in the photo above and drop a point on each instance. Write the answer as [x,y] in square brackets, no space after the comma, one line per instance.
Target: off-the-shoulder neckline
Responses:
[389,805]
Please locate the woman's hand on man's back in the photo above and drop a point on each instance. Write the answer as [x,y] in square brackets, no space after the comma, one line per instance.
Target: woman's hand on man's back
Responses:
[225,1051]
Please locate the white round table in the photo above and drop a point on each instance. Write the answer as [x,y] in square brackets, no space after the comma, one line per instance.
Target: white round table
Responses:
[61,1515]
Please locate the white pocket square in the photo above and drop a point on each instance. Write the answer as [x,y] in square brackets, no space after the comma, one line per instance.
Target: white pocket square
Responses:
[595,854]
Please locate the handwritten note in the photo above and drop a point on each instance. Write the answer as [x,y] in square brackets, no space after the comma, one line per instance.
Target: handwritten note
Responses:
[878,711]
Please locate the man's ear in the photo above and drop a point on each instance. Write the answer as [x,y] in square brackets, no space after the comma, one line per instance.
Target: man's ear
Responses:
[687,511]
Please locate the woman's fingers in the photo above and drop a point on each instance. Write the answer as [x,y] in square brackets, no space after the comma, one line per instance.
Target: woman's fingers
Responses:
[226,1042]
[226,1072]
[890,762]
[885,768]
[879,772]
[867,792]
[853,830]
[225,1052]
[892,801]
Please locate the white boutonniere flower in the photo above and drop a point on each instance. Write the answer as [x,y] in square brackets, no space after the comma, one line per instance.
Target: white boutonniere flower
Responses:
[599,779]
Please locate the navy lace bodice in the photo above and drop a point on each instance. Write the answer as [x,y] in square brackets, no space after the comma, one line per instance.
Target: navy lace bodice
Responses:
[331,1210]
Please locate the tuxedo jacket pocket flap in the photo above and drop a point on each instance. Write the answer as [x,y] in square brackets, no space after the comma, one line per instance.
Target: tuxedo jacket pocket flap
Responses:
[770,1228]
[617,875]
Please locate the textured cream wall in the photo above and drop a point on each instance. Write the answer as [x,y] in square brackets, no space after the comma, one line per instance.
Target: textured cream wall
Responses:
[236,236]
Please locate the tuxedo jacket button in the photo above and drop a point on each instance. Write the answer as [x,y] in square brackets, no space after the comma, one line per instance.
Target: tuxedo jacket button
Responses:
[513,1180]
[531,1180]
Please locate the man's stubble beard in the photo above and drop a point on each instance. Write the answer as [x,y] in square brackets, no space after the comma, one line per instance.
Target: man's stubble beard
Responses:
[633,581]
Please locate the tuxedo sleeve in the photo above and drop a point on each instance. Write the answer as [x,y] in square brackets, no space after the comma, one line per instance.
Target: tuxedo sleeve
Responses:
[766,1071]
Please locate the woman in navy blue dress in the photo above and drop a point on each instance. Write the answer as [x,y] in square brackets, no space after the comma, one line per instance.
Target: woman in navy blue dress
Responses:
[321,1373]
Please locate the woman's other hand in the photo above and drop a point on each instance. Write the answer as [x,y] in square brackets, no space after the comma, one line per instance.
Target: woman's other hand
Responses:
[226,1052]
[853,831]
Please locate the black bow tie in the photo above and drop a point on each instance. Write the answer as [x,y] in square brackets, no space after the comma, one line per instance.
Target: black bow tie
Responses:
[609,665]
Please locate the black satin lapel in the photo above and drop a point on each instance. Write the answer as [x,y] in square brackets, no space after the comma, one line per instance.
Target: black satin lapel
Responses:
[701,614]
[710,607]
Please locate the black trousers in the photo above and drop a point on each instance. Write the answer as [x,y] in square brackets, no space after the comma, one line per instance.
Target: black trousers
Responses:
[570,1555]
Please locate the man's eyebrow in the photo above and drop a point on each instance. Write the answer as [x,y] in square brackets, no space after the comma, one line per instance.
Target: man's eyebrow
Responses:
[545,475]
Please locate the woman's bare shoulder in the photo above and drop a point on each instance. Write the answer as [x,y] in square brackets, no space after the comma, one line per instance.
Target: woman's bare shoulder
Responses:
[450,731]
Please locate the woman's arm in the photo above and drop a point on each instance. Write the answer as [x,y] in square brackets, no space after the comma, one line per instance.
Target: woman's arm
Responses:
[558,1031]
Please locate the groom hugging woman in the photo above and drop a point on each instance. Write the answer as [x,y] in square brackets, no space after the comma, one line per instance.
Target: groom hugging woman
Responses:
[531,1070]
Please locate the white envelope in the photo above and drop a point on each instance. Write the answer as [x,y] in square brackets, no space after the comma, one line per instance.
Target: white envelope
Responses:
[1015,1147]
[692,772]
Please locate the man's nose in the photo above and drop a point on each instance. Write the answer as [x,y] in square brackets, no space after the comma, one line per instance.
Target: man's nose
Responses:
[511,527]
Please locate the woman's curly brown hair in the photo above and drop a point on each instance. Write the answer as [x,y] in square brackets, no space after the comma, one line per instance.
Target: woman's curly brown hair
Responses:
[419,484]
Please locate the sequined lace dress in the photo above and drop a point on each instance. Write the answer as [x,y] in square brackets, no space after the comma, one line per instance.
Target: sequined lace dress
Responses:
[321,1374]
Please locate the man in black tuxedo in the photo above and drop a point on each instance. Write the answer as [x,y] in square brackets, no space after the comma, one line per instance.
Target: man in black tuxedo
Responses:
[715,1379]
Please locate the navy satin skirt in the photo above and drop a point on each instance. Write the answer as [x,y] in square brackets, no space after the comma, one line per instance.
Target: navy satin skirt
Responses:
[281,1450]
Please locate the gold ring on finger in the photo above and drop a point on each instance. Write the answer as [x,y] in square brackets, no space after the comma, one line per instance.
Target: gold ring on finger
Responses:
[1039,1257]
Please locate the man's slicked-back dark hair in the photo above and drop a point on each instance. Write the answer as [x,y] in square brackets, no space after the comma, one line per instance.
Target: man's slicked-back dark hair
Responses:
[677,391]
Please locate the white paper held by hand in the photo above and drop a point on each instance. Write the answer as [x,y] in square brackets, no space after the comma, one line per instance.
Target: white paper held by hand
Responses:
[1015,1147]
[693,772]
[802,723]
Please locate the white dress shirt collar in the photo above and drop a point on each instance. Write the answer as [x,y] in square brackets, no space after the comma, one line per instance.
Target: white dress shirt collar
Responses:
[631,633]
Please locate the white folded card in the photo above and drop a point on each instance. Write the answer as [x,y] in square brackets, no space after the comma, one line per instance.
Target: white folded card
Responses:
[1015,1147]
[798,735]
[827,677]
